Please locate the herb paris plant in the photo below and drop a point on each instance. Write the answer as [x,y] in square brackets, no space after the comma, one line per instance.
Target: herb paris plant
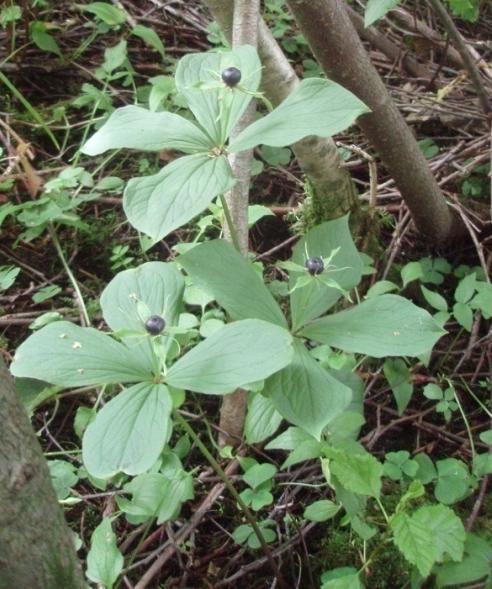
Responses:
[159,204]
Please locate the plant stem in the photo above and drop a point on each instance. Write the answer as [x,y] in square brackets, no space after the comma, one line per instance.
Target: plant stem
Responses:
[61,255]
[465,419]
[223,476]
[230,223]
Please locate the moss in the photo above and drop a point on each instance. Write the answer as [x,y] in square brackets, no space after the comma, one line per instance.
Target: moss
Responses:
[342,548]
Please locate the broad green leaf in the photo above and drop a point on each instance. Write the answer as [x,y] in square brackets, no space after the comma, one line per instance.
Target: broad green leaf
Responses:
[159,286]
[8,274]
[150,37]
[66,354]
[238,354]
[381,287]
[446,528]
[314,107]
[415,541]
[388,325]
[134,127]
[398,376]
[104,560]
[220,270]
[453,480]
[106,12]
[463,315]
[376,9]
[476,564]
[43,39]
[465,289]
[359,473]
[258,474]
[410,272]
[63,476]
[159,204]
[343,581]
[262,419]
[305,394]
[158,495]
[306,450]
[434,299]
[217,107]
[312,301]
[486,437]
[129,433]
[291,438]
[321,511]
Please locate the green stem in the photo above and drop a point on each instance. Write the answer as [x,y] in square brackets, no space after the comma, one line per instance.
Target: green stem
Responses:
[69,272]
[223,476]
[465,419]
[230,223]
[383,510]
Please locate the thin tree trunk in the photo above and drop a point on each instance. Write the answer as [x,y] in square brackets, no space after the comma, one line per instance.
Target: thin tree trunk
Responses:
[244,32]
[336,45]
[334,192]
[36,546]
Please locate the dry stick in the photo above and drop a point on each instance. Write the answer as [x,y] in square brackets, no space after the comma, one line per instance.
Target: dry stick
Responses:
[468,61]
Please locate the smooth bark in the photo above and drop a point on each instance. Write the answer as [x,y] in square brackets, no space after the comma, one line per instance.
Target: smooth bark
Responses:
[335,43]
[334,191]
[244,32]
[36,545]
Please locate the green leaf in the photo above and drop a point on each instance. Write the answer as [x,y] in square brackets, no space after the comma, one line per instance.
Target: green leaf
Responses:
[104,561]
[448,533]
[65,354]
[483,300]
[159,287]
[341,578]
[129,433]
[158,495]
[453,481]
[312,301]
[305,394]
[238,354]
[398,376]
[376,9]
[475,565]
[306,450]
[217,107]
[465,289]
[150,37]
[486,437]
[410,272]
[314,107]
[8,274]
[133,127]
[321,511]
[262,419]
[463,315]
[415,541]
[115,57]
[159,204]
[108,13]
[381,287]
[63,476]
[388,325]
[219,269]
[434,299]
[43,39]
[433,392]
[291,438]
[359,473]
[258,474]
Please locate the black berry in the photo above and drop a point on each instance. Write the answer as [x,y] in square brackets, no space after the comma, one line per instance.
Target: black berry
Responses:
[231,76]
[155,324]
[315,265]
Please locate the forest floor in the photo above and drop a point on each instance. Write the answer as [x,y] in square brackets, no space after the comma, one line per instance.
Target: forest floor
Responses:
[48,106]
